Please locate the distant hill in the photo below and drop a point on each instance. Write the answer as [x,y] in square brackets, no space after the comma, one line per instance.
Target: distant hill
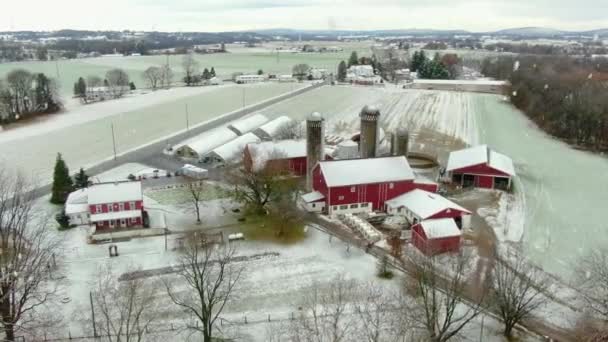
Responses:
[530,32]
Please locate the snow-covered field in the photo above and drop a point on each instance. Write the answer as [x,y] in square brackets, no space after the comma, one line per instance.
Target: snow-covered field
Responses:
[88,142]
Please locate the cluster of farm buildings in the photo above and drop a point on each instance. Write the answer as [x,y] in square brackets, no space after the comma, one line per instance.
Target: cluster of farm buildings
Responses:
[348,179]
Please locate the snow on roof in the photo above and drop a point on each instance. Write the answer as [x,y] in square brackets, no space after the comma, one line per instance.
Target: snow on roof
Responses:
[440,228]
[78,197]
[115,215]
[248,124]
[366,171]
[312,197]
[205,142]
[232,150]
[424,204]
[348,143]
[270,150]
[100,193]
[480,155]
[193,168]
[270,129]
[462,82]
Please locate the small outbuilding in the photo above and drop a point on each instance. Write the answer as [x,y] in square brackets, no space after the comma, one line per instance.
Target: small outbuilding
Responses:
[436,236]
[420,205]
[314,201]
[480,167]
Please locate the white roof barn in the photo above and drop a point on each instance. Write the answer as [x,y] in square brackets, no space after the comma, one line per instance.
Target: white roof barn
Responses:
[77,202]
[269,130]
[440,228]
[480,155]
[366,171]
[231,151]
[204,143]
[424,204]
[248,124]
[101,193]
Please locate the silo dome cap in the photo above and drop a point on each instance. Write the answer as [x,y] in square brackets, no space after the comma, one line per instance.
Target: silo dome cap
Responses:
[316,116]
[370,110]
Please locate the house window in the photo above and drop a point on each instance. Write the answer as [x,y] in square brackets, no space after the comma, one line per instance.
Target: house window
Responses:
[335,207]
[121,206]
[341,198]
[110,208]
[353,206]
[391,185]
[352,189]
[132,206]
[98,208]
[314,205]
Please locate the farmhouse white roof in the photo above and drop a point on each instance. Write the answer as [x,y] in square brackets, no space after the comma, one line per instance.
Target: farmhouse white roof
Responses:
[440,228]
[232,150]
[248,124]
[462,82]
[312,197]
[366,171]
[100,193]
[480,155]
[115,215]
[271,128]
[203,143]
[424,204]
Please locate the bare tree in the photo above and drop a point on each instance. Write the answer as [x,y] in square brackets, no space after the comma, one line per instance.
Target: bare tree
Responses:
[592,276]
[437,310]
[195,190]
[210,275]
[124,310]
[27,257]
[191,69]
[290,130]
[518,290]
[152,76]
[381,314]
[94,81]
[19,83]
[166,76]
[118,82]
[325,314]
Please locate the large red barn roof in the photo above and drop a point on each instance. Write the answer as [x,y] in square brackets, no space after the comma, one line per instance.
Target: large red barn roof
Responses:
[366,171]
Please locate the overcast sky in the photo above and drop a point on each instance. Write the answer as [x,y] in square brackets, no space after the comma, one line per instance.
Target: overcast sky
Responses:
[231,15]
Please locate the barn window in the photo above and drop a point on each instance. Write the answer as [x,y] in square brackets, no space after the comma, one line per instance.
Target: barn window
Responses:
[98,208]
[343,207]
[110,208]
[132,206]
[313,205]
[353,206]
[391,185]
[121,206]
[340,198]
[335,207]
[364,205]
[352,189]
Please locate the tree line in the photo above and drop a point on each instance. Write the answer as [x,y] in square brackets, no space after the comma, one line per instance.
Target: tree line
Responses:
[565,96]
[441,67]
[192,73]
[24,94]
[115,85]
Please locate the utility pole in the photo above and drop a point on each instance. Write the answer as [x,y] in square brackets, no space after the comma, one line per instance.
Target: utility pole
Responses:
[93,314]
[481,331]
[187,119]
[113,140]
[243,97]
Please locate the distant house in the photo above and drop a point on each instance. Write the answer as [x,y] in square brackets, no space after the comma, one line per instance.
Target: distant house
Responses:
[107,205]
[437,236]
[286,78]
[317,74]
[480,167]
[362,74]
[419,205]
[104,93]
[242,79]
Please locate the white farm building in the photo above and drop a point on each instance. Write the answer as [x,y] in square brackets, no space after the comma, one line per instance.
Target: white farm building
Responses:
[269,130]
[248,124]
[204,143]
[250,79]
[231,152]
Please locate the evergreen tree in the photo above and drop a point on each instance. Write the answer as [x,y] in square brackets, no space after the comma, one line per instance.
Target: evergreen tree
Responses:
[342,71]
[62,182]
[132,86]
[206,74]
[260,72]
[212,72]
[81,180]
[80,87]
[62,219]
[353,60]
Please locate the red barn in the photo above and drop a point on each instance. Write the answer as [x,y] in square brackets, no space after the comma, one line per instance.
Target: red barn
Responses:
[480,167]
[362,185]
[419,205]
[115,205]
[285,156]
[436,236]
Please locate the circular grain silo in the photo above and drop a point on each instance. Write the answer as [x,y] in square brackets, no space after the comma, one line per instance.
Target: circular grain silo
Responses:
[314,144]
[368,142]
[400,142]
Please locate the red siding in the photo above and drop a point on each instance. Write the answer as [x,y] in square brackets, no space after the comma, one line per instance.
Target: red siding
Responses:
[247,161]
[481,169]
[434,246]
[427,187]
[318,181]
[486,182]
[377,193]
[447,214]
[296,165]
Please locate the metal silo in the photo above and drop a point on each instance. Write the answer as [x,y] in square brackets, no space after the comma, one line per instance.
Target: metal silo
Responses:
[314,145]
[369,131]
[400,142]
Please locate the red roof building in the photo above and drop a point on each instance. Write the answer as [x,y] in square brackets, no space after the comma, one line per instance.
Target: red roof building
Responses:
[115,205]
[284,155]
[480,167]
[436,236]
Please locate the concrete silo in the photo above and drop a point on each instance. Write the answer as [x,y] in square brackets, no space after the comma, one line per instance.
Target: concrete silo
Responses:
[400,142]
[314,145]
[368,142]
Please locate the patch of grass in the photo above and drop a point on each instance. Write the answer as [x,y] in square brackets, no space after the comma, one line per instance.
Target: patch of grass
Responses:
[183,196]
[270,229]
